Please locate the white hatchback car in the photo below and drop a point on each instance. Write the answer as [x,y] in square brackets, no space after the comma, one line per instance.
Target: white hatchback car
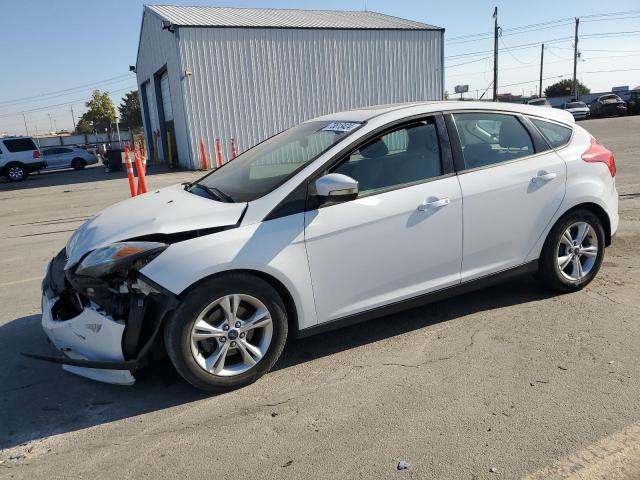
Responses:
[337,220]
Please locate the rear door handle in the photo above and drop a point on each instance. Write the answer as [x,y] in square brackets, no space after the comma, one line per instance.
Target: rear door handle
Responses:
[543,177]
[425,205]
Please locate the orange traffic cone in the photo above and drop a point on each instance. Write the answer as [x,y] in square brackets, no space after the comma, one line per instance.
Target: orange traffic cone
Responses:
[220,160]
[204,163]
[234,148]
[129,165]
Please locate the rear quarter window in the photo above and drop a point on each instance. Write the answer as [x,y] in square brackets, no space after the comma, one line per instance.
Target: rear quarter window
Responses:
[556,135]
[19,145]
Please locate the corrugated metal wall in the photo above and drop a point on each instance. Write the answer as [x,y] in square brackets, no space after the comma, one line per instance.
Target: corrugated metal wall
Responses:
[159,48]
[250,83]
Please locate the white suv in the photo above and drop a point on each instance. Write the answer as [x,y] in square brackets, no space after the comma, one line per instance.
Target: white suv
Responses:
[337,220]
[18,157]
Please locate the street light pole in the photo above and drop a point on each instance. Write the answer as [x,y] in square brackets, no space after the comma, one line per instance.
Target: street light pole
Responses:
[575,61]
[73,117]
[495,54]
[541,63]
[25,124]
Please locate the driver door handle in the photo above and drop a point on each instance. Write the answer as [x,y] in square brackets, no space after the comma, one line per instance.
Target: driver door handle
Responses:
[543,177]
[425,205]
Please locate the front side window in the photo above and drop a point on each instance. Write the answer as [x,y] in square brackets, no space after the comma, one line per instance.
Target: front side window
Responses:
[490,138]
[264,167]
[555,134]
[403,156]
[20,145]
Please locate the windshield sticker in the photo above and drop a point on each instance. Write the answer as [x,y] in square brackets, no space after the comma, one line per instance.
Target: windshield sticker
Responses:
[341,127]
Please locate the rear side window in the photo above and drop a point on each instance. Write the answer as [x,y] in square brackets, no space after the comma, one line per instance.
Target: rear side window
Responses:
[19,145]
[490,138]
[556,135]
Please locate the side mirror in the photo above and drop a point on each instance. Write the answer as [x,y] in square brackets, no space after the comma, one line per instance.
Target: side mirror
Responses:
[336,187]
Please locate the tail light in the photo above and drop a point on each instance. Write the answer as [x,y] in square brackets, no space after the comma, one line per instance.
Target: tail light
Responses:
[36,154]
[598,153]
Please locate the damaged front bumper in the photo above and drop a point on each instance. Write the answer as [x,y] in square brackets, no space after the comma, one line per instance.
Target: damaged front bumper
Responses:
[92,337]
[103,337]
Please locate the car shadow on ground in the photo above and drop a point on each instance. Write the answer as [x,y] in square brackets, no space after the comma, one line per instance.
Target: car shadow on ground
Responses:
[63,177]
[38,399]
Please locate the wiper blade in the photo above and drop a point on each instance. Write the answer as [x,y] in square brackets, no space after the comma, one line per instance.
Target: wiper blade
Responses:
[216,193]
[220,194]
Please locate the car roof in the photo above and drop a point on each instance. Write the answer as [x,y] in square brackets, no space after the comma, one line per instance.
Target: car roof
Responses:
[365,114]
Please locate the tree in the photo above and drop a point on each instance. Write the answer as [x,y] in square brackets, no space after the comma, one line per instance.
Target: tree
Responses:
[565,87]
[100,114]
[129,109]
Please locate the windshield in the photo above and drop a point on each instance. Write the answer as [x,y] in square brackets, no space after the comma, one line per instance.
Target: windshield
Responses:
[541,101]
[576,105]
[266,166]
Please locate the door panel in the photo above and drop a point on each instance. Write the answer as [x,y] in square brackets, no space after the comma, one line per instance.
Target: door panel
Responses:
[52,157]
[506,209]
[384,247]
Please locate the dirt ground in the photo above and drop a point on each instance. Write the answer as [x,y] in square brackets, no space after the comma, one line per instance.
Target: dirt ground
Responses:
[508,382]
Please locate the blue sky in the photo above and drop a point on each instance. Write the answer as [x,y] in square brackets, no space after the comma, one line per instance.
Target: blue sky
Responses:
[50,46]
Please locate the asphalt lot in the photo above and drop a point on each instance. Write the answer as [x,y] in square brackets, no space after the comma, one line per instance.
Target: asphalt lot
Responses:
[512,378]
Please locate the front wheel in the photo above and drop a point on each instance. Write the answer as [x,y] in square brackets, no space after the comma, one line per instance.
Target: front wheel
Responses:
[15,172]
[227,333]
[573,252]
[78,164]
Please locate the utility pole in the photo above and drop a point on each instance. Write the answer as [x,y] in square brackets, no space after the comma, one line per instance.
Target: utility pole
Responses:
[575,61]
[73,117]
[495,54]
[25,124]
[541,63]
[50,123]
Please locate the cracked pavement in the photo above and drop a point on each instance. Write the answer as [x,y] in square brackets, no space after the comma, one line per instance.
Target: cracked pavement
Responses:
[512,378]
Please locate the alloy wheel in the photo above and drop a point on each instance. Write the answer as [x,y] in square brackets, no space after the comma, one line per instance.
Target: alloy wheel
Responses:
[577,251]
[15,173]
[231,335]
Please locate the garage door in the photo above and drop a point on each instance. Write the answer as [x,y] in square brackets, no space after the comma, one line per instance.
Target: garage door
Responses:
[153,113]
[166,97]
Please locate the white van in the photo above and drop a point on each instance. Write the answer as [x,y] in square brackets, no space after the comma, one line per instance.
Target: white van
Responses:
[19,156]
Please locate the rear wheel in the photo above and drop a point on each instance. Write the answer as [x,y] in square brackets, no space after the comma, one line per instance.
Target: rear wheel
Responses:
[78,163]
[573,252]
[227,333]
[15,172]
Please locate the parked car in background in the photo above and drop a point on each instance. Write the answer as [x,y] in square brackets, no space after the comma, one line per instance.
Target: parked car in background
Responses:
[69,157]
[540,102]
[19,156]
[633,103]
[579,110]
[608,105]
[340,219]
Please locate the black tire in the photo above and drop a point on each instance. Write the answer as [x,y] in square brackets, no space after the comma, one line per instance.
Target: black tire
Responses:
[78,164]
[549,273]
[15,172]
[178,329]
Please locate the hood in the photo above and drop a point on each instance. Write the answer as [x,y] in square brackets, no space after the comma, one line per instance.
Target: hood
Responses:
[169,210]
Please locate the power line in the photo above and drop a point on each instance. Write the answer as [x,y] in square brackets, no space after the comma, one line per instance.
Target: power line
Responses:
[57,92]
[72,102]
[512,55]
[515,47]
[552,22]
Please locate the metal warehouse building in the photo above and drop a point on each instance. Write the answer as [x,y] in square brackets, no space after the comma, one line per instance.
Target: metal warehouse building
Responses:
[207,73]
